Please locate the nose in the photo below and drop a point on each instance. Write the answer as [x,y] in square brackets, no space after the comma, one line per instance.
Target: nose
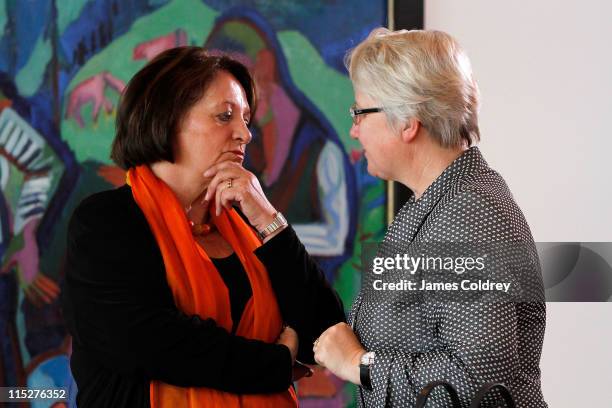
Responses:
[354,131]
[243,134]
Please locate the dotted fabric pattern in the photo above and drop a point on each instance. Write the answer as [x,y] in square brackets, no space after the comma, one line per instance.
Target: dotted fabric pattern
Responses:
[465,343]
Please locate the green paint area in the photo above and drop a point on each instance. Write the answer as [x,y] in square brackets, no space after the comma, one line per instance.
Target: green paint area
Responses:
[54,252]
[14,183]
[245,35]
[328,89]
[16,178]
[67,12]
[156,3]
[371,228]
[331,91]
[30,76]
[93,141]
[13,190]
[3,17]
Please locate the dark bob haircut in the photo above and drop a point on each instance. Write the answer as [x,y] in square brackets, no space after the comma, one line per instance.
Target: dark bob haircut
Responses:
[159,96]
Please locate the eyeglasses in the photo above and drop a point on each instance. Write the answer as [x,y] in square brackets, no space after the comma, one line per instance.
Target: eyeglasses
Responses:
[356,113]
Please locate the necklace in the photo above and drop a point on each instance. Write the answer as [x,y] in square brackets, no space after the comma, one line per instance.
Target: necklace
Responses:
[200,229]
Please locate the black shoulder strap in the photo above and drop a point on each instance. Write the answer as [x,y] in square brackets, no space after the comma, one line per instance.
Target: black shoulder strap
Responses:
[425,391]
[487,388]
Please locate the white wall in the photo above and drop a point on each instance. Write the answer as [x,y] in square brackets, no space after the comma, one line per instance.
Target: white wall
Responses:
[544,69]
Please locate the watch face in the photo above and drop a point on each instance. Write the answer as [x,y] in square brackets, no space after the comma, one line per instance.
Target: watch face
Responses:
[367,358]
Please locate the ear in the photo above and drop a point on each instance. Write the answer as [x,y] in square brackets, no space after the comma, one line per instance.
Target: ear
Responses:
[410,130]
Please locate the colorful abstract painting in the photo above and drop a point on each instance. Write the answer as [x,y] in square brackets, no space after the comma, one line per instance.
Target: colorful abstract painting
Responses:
[63,66]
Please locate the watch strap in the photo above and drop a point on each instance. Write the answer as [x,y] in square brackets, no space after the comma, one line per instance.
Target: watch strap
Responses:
[278,222]
[364,376]
[365,363]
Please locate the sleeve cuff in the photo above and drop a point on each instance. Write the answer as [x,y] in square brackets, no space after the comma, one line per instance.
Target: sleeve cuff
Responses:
[380,372]
[287,368]
[277,244]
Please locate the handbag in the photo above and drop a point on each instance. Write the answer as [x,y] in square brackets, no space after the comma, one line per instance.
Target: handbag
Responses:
[452,392]
[425,391]
[487,388]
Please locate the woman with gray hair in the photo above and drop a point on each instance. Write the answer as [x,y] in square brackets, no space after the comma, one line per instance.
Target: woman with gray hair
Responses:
[416,118]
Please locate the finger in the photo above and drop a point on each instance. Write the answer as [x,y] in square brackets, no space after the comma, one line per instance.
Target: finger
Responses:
[224,195]
[318,359]
[346,326]
[222,171]
[236,192]
[217,201]
[220,178]
[230,196]
[232,192]
[225,164]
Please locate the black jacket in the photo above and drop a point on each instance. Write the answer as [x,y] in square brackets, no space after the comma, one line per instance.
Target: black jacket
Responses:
[127,331]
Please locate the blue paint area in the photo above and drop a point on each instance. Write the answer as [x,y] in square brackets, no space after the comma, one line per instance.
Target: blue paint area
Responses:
[99,24]
[26,21]
[313,124]
[331,26]
[53,373]
[37,112]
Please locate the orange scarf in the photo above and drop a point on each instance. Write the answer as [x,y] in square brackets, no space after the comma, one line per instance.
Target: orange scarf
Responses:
[198,289]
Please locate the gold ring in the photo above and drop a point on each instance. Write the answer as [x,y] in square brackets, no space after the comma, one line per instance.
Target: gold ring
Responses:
[316,342]
[229,183]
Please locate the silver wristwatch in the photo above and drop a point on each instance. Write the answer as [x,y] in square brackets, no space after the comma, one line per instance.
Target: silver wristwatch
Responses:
[278,222]
[365,365]
[368,358]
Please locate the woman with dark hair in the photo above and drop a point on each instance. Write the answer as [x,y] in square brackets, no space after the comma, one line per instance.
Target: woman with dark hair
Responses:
[172,296]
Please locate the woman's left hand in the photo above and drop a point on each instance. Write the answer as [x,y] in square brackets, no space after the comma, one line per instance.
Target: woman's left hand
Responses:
[338,349]
[233,184]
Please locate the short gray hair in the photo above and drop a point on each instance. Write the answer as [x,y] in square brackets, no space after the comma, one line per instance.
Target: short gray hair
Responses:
[422,74]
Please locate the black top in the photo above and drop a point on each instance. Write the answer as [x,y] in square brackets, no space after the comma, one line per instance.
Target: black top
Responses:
[238,285]
[127,331]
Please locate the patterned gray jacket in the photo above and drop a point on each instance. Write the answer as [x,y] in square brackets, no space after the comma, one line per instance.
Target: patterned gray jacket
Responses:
[467,343]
